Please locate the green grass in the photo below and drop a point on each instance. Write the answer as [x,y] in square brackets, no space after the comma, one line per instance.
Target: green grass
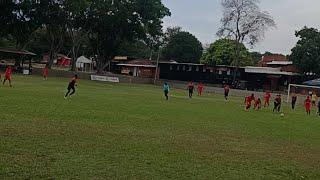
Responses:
[124,131]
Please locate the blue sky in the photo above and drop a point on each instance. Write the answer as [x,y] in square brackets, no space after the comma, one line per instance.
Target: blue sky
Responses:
[202,18]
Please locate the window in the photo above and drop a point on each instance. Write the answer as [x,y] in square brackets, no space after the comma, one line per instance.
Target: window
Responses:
[220,72]
[178,68]
[190,68]
[183,68]
[197,68]
[228,73]
[171,68]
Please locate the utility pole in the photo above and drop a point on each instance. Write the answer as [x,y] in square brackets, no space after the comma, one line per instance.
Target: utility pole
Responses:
[157,67]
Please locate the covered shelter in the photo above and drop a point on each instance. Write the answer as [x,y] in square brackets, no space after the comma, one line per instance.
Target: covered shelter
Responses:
[84,64]
[21,56]
[315,82]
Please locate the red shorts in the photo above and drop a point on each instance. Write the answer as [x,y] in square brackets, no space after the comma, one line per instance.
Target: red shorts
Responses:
[248,106]
[308,107]
[8,77]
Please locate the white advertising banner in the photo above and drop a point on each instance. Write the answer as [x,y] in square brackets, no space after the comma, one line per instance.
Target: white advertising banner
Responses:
[105,78]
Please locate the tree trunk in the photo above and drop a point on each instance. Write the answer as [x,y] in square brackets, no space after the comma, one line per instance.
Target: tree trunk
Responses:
[237,64]
[74,56]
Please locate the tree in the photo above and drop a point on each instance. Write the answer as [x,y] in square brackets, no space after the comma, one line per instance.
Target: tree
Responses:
[256,57]
[244,22]
[222,52]
[110,22]
[183,47]
[136,49]
[306,54]
[18,20]
[75,12]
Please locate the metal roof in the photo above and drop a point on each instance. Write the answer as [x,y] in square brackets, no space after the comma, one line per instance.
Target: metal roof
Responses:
[137,65]
[280,63]
[268,70]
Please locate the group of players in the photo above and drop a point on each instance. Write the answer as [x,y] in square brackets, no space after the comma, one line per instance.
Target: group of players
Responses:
[252,101]
[71,86]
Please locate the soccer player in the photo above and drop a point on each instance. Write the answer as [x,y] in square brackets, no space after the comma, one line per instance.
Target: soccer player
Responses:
[277,103]
[257,104]
[166,89]
[319,108]
[307,105]
[45,73]
[191,89]
[71,86]
[293,101]
[314,98]
[226,91]
[200,89]
[267,97]
[248,101]
[7,75]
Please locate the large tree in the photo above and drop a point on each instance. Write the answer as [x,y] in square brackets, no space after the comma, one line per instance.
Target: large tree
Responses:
[306,53]
[183,47]
[110,22]
[222,52]
[244,22]
[18,19]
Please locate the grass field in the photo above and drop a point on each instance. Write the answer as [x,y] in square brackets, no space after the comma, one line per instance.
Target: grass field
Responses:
[127,131]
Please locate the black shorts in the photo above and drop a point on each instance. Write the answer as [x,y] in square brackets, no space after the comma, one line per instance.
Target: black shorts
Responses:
[71,86]
[226,94]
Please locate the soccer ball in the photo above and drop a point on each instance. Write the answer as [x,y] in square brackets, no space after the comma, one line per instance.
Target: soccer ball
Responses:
[282,115]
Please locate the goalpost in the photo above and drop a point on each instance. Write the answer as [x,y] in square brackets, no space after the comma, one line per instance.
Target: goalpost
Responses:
[302,90]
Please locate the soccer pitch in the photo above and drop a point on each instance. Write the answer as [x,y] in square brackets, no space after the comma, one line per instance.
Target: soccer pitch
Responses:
[126,131]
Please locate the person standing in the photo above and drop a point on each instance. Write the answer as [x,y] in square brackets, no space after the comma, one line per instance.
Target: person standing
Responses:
[248,101]
[277,103]
[166,89]
[7,76]
[45,72]
[307,105]
[267,97]
[200,89]
[314,98]
[293,101]
[190,89]
[226,91]
[319,108]
[71,86]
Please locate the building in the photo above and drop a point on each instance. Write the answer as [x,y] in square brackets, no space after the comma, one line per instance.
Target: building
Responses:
[138,68]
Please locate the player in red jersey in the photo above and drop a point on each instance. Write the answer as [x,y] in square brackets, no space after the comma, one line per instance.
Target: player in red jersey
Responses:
[267,97]
[248,101]
[200,89]
[307,105]
[71,86]
[8,75]
[257,104]
[45,72]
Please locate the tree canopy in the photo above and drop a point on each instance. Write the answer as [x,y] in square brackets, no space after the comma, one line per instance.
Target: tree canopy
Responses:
[222,52]
[106,24]
[306,54]
[183,47]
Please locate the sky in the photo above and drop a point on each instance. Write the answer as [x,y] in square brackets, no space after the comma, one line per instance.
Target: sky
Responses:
[202,18]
